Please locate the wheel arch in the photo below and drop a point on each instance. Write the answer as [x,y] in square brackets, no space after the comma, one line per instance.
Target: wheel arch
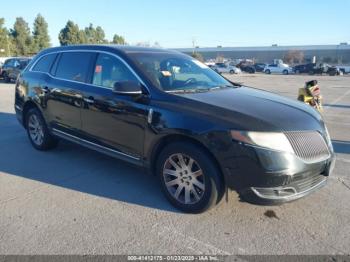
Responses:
[27,106]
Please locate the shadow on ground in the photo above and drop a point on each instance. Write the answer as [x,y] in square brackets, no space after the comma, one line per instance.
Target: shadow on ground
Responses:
[341,147]
[76,168]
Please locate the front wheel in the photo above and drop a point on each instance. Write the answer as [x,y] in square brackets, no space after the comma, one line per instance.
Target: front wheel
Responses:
[189,178]
[38,132]
[267,71]
[285,72]
[232,72]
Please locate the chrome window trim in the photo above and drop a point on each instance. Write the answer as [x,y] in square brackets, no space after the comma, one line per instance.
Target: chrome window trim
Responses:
[96,145]
[92,51]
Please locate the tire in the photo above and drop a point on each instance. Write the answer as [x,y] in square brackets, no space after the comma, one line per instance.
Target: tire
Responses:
[268,71]
[201,186]
[285,72]
[232,72]
[7,79]
[35,124]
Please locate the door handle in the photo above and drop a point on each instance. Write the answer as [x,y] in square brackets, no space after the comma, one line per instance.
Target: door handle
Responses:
[89,100]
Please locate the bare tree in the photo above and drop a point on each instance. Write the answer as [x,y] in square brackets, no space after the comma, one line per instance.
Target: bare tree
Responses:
[293,57]
[198,56]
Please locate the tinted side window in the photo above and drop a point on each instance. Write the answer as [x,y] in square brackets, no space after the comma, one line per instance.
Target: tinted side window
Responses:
[45,63]
[74,66]
[109,70]
[9,62]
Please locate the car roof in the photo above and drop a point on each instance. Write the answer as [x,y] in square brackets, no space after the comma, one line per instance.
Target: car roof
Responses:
[110,47]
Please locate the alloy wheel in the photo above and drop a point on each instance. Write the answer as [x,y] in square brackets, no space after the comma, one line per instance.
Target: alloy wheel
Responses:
[35,130]
[184,178]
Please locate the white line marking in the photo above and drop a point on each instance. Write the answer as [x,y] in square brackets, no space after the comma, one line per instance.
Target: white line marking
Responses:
[338,99]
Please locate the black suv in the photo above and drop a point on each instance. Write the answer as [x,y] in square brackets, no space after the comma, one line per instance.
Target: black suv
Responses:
[306,68]
[196,131]
[13,67]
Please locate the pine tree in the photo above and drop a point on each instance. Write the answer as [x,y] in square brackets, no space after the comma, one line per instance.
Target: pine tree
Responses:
[22,39]
[71,35]
[100,36]
[119,40]
[5,44]
[41,36]
[90,34]
[94,35]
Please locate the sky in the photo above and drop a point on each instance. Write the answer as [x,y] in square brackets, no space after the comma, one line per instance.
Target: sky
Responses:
[209,23]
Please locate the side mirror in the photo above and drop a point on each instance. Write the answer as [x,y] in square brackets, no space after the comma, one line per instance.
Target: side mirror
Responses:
[127,88]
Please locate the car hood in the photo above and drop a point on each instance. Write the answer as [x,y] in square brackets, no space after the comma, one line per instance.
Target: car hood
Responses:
[253,109]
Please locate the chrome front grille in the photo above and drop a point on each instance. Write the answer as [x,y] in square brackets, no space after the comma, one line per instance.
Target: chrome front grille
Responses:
[308,145]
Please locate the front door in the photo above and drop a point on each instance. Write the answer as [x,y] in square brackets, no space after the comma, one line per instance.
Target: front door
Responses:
[112,120]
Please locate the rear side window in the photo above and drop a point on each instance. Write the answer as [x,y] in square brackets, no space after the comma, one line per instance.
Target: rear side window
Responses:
[45,63]
[74,66]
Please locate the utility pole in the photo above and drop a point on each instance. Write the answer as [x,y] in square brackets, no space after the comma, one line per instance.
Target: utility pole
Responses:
[193,44]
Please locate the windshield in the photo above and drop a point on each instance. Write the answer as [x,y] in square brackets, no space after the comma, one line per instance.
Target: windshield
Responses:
[173,72]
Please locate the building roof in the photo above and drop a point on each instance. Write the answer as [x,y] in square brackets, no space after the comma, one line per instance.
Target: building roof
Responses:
[266,48]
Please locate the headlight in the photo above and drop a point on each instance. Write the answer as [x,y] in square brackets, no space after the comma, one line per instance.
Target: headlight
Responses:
[271,140]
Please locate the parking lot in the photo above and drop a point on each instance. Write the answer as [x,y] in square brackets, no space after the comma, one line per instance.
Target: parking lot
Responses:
[72,200]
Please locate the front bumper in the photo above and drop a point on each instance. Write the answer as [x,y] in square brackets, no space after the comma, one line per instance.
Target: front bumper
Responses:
[263,176]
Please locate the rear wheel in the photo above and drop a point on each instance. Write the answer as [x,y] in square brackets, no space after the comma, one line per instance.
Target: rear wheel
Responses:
[285,72]
[232,72]
[189,178]
[38,132]
[267,71]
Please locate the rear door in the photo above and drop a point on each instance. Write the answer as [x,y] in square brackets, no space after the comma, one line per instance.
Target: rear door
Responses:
[64,90]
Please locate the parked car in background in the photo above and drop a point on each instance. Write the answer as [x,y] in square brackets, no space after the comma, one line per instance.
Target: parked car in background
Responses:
[344,69]
[334,71]
[13,67]
[223,68]
[278,69]
[323,68]
[246,67]
[1,64]
[304,69]
[259,67]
